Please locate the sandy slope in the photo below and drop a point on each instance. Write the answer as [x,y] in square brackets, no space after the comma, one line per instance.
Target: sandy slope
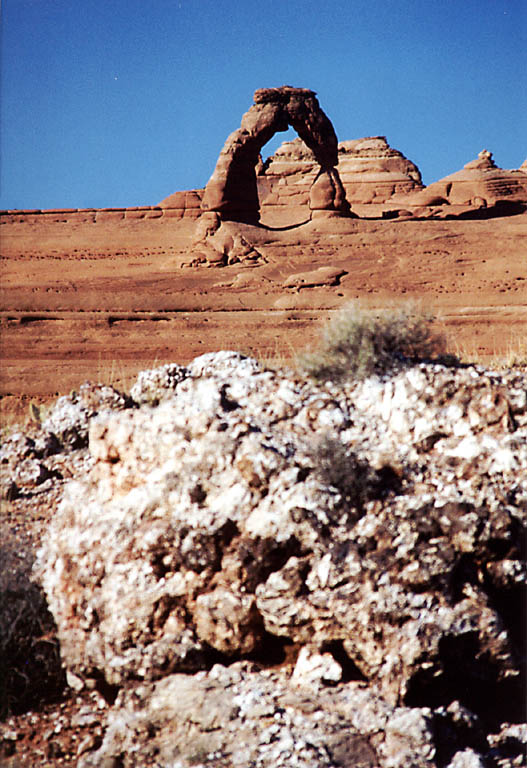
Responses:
[103,300]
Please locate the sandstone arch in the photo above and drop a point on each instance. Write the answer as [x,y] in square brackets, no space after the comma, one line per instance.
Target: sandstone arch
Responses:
[232,191]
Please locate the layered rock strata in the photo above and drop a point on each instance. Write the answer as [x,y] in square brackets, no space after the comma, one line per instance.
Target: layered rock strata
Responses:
[370,170]
[180,205]
[479,184]
[373,531]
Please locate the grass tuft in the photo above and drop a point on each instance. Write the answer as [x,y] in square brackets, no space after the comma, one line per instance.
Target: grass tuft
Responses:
[509,353]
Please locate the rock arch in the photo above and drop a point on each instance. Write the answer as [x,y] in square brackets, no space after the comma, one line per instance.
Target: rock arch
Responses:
[232,191]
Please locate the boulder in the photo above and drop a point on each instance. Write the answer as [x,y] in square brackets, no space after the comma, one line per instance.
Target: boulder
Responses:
[239,716]
[316,277]
[34,458]
[374,529]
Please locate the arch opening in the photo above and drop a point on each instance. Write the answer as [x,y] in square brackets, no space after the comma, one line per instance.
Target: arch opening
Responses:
[275,142]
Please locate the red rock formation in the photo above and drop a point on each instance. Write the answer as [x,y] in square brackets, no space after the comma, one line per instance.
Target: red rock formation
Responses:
[370,170]
[232,190]
[186,204]
[479,184]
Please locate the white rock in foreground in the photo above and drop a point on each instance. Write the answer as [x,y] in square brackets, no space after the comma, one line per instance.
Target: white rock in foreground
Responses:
[379,524]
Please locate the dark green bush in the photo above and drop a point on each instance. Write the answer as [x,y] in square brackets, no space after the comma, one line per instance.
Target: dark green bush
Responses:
[357,343]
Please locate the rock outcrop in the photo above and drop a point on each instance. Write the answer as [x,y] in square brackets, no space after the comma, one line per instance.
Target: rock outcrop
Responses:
[217,243]
[370,170]
[232,195]
[35,457]
[181,205]
[371,533]
[232,189]
[479,184]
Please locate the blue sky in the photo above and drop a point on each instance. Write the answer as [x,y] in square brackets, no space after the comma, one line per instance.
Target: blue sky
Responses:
[122,102]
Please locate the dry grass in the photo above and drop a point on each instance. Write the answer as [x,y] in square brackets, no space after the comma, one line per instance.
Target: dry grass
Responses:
[509,353]
[277,358]
[114,373]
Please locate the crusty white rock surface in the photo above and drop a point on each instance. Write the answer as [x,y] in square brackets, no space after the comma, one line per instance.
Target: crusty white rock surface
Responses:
[376,527]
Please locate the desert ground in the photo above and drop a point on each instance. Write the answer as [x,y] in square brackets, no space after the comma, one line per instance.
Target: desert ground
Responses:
[103,296]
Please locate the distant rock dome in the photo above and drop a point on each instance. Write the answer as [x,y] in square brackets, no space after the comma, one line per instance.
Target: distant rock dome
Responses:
[479,183]
[370,170]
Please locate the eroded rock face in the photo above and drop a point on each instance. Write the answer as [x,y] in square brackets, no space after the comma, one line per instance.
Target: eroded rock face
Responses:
[370,170]
[376,527]
[183,205]
[232,189]
[479,184]
[218,243]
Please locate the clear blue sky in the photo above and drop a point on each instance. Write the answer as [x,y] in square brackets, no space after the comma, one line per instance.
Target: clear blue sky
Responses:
[122,102]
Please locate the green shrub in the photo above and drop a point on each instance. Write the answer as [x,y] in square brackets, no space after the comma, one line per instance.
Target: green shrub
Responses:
[30,666]
[357,343]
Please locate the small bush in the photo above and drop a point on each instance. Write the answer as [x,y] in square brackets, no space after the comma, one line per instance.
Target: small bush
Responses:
[30,666]
[358,343]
